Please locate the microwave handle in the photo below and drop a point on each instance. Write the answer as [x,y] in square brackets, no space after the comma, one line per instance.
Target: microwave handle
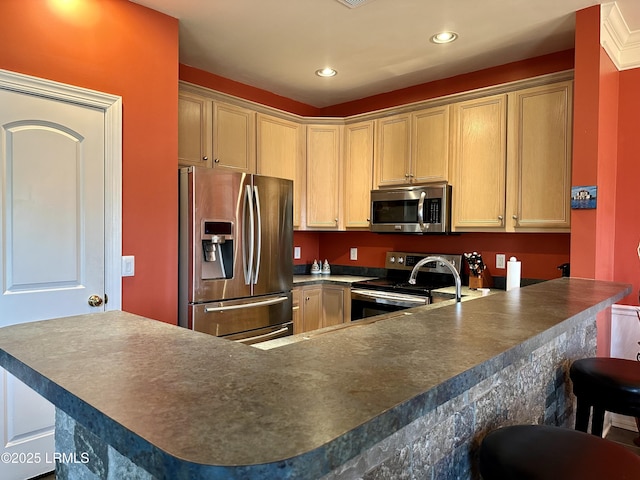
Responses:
[421,210]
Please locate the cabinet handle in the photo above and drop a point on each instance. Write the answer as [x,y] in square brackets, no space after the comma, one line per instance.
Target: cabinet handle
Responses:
[216,160]
[501,218]
[205,158]
[406,175]
[515,220]
[336,220]
[307,299]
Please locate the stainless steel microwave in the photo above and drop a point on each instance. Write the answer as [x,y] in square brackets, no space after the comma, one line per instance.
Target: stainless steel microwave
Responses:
[417,209]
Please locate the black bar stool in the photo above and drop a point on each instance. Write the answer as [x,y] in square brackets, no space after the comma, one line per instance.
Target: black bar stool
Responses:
[540,452]
[606,384]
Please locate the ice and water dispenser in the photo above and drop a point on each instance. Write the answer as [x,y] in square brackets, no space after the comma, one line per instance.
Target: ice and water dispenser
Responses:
[217,249]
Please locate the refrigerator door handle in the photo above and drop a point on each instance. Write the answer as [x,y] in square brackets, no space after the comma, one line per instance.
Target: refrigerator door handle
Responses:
[261,303]
[258,249]
[247,257]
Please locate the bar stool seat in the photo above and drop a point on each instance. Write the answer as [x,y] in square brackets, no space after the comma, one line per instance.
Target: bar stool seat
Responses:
[540,452]
[606,384]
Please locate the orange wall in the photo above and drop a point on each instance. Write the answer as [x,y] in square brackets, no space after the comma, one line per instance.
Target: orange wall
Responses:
[124,49]
[627,233]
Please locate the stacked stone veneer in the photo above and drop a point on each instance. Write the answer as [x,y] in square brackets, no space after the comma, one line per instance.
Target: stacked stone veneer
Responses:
[443,444]
[530,387]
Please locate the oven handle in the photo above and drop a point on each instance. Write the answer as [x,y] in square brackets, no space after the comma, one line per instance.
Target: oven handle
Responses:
[262,303]
[376,295]
[265,336]
[421,210]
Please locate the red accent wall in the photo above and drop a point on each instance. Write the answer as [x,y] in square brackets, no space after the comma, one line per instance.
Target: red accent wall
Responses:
[124,49]
[510,72]
[540,254]
[237,89]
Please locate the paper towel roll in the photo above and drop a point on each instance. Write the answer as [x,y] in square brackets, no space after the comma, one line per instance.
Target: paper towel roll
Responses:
[513,273]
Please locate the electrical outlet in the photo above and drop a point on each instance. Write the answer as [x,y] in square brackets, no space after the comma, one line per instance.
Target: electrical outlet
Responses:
[353,253]
[500,259]
[296,253]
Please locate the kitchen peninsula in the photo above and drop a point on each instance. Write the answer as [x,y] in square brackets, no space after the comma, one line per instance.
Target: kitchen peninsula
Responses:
[408,394]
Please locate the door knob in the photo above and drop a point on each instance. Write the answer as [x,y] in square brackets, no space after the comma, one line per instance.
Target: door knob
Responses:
[94,301]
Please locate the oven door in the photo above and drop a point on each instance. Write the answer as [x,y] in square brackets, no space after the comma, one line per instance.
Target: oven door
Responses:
[369,303]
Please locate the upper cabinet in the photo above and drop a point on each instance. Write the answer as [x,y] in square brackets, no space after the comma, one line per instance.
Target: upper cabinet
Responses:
[413,148]
[280,152]
[539,167]
[324,174]
[393,150]
[430,145]
[506,151]
[358,174]
[215,134]
[479,163]
[194,127]
[512,161]
[234,137]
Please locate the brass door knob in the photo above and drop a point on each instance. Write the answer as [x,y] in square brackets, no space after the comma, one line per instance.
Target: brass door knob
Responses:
[94,301]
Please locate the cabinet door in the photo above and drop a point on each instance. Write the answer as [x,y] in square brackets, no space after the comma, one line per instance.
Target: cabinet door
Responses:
[234,138]
[430,145]
[296,313]
[280,153]
[312,308]
[393,150]
[479,158]
[333,305]
[358,178]
[194,130]
[539,168]
[323,176]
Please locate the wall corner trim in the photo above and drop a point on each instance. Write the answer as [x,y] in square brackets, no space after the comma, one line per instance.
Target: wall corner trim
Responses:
[620,42]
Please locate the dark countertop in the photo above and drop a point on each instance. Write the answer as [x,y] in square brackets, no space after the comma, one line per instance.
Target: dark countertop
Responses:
[149,386]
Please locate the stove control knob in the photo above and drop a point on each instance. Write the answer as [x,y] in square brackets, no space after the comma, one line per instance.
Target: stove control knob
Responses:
[400,260]
[392,259]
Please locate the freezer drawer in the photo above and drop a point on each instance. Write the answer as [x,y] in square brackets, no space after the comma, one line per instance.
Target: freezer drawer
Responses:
[241,315]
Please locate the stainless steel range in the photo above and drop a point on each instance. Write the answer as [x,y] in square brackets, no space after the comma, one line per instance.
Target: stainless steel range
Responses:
[394,292]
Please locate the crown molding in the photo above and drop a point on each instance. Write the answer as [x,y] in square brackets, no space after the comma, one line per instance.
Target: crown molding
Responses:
[620,42]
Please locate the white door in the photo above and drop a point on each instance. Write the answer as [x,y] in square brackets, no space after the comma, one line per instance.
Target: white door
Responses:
[52,254]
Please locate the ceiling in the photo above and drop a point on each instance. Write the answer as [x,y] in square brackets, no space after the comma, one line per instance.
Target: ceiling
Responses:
[376,47]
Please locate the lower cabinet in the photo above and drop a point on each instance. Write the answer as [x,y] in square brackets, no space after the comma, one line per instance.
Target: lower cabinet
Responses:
[319,306]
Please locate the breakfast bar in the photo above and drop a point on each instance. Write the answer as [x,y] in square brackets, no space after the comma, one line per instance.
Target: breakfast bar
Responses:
[413,393]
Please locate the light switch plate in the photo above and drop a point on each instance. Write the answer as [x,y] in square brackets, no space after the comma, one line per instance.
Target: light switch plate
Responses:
[500,259]
[128,266]
[353,254]
[296,253]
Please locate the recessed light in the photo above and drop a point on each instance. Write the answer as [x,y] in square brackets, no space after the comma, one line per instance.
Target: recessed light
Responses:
[326,72]
[444,37]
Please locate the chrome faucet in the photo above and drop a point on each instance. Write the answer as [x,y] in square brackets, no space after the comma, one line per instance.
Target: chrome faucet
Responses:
[443,261]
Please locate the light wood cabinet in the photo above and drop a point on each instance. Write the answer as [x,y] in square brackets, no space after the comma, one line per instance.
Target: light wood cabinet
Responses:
[358,174]
[430,145]
[539,158]
[321,306]
[234,138]
[324,174]
[281,153]
[393,150]
[512,161]
[413,148]
[215,134]
[194,126]
[479,160]
[336,305]
[296,310]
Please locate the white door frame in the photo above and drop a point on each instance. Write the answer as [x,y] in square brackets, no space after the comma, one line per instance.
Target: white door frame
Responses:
[111,105]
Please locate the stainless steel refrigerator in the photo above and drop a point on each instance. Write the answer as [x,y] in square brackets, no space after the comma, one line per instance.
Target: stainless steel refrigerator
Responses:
[235,254]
